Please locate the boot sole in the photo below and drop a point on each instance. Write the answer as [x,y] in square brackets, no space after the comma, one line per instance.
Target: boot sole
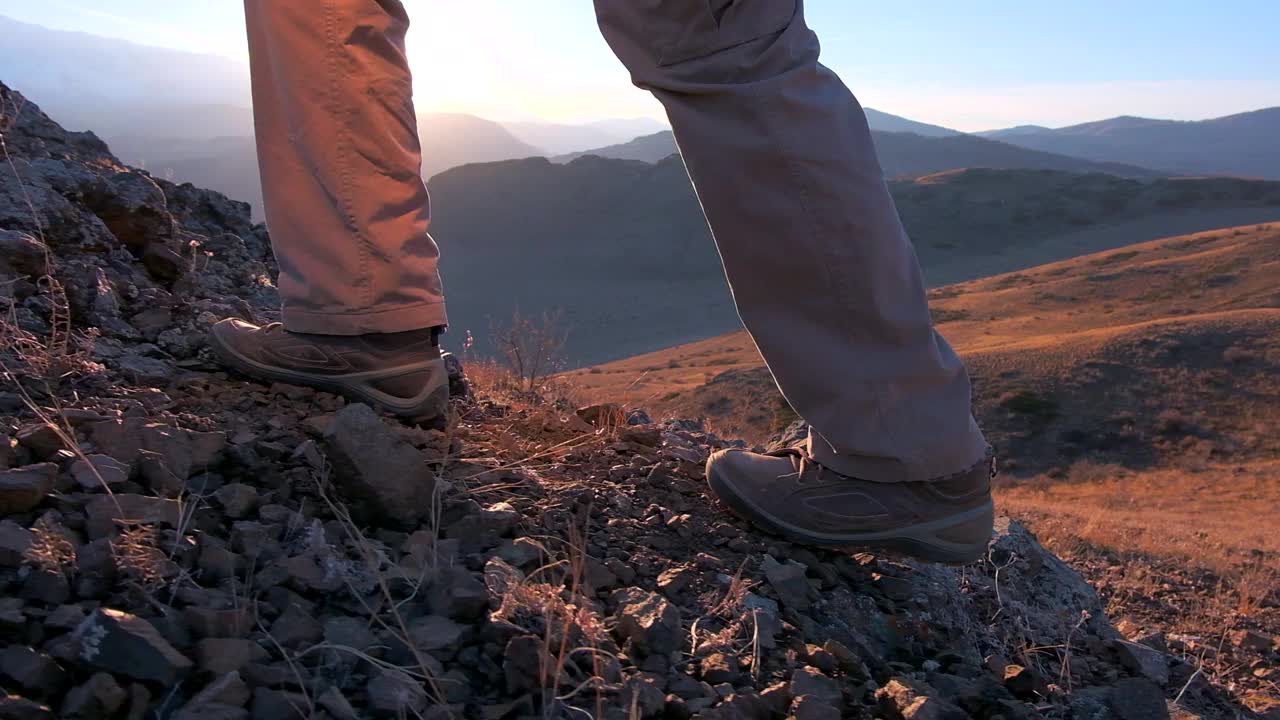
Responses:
[956,539]
[429,406]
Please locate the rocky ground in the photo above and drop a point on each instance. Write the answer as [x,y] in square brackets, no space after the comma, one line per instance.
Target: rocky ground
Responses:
[175,543]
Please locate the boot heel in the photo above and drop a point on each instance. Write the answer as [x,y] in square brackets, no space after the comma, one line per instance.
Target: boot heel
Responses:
[960,542]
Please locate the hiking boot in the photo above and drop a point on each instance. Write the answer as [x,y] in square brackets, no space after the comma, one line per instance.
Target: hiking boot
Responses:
[947,520]
[399,372]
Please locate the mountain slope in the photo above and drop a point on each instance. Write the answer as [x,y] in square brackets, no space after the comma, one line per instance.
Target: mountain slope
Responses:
[69,71]
[879,120]
[1082,339]
[1243,144]
[906,154]
[622,247]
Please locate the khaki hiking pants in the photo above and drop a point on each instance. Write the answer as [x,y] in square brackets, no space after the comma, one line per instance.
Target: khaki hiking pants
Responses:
[778,149]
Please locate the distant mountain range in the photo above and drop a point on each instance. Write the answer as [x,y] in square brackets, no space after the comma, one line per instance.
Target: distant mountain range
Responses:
[557,138]
[905,154]
[1246,144]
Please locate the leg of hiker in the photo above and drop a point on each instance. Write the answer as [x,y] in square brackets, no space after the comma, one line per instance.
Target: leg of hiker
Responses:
[345,202]
[824,277]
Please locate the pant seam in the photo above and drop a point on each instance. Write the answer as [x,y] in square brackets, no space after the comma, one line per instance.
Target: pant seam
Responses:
[340,155]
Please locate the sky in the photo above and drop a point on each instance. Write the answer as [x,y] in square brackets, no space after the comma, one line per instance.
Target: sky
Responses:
[967,64]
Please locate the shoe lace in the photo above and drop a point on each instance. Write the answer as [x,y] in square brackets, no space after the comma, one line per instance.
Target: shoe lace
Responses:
[803,463]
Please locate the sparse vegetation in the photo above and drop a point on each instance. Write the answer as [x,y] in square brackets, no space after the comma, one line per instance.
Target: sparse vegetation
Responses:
[1031,404]
[532,346]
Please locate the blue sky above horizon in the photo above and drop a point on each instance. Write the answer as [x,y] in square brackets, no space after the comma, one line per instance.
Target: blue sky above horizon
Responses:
[971,65]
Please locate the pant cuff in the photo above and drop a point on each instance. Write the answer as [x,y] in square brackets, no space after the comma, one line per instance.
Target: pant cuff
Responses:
[930,463]
[363,322]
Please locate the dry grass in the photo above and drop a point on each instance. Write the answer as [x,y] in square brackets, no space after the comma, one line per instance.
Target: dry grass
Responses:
[49,551]
[1218,519]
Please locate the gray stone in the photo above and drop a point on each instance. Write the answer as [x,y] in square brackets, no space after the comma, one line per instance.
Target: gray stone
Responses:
[720,668]
[228,690]
[459,595]
[382,476]
[788,581]
[1147,662]
[237,500]
[811,708]
[23,254]
[647,620]
[526,665]
[1023,682]
[42,439]
[337,705]
[809,681]
[522,552]
[912,700]
[295,628]
[642,698]
[208,622]
[99,697]
[221,656]
[1250,640]
[278,705]
[46,585]
[21,489]
[144,370]
[15,540]
[1137,699]
[36,673]
[349,632]
[436,634]
[13,707]
[124,644]
[103,511]
[94,471]
[484,529]
[396,693]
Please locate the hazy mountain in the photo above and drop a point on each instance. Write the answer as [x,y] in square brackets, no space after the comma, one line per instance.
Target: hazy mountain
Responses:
[622,247]
[230,164]
[893,123]
[647,148]
[562,138]
[1245,144]
[56,67]
[623,128]
[906,154]
[559,138]
[453,139]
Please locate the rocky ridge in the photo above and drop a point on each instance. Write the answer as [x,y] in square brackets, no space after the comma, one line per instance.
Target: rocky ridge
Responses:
[180,544]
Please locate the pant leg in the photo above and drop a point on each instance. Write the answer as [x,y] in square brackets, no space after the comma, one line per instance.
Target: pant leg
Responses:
[340,161]
[822,272]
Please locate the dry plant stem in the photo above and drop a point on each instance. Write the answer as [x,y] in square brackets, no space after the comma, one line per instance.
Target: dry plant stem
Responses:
[370,558]
[65,434]
[306,693]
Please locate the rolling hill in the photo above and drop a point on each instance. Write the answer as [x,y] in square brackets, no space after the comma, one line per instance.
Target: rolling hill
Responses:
[1243,144]
[906,154]
[559,138]
[1100,355]
[1132,396]
[622,248]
